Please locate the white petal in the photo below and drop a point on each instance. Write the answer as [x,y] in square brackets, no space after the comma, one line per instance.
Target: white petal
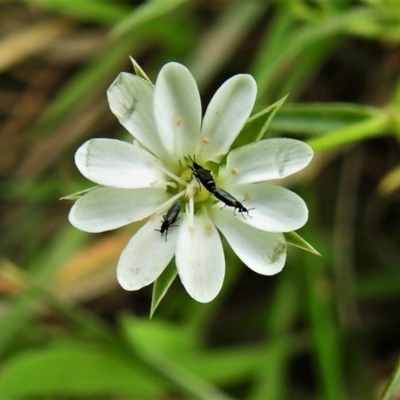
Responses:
[117,164]
[276,209]
[266,159]
[146,256]
[263,252]
[226,115]
[131,101]
[177,109]
[103,209]
[200,258]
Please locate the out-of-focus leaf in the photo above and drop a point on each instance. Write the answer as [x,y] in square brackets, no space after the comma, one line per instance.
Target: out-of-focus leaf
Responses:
[281,316]
[13,190]
[378,21]
[160,344]
[286,41]
[319,118]
[372,127]
[390,182]
[294,239]
[146,12]
[181,344]
[44,267]
[73,370]
[393,386]
[307,67]
[321,312]
[380,286]
[86,84]
[104,12]
[159,336]
[218,45]
[396,96]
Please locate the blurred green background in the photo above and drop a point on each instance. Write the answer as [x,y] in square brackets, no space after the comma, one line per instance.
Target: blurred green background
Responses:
[325,328]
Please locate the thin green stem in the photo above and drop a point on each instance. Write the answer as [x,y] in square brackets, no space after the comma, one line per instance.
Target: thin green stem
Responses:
[372,127]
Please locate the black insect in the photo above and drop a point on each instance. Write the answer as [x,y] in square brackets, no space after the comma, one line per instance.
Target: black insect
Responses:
[169,218]
[230,201]
[203,176]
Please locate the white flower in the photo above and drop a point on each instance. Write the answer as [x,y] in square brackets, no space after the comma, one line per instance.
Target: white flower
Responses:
[144,179]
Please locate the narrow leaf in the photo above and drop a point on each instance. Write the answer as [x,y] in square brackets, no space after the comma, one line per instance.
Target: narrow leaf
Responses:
[161,286]
[180,376]
[372,127]
[74,371]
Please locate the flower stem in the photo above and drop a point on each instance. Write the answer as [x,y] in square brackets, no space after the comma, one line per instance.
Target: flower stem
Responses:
[375,126]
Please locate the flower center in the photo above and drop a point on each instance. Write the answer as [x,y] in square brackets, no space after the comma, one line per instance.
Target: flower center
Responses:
[186,175]
[194,189]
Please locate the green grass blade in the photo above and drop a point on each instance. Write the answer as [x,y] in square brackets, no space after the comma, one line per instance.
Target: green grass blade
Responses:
[73,370]
[44,267]
[144,13]
[324,331]
[104,12]
[320,118]
[370,128]
[393,385]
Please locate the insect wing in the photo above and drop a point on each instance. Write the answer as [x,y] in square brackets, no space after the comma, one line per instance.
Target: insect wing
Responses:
[203,176]
[226,198]
[172,213]
[169,218]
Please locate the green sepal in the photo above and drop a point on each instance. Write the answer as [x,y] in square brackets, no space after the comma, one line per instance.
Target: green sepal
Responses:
[75,196]
[296,240]
[161,286]
[139,71]
[256,125]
